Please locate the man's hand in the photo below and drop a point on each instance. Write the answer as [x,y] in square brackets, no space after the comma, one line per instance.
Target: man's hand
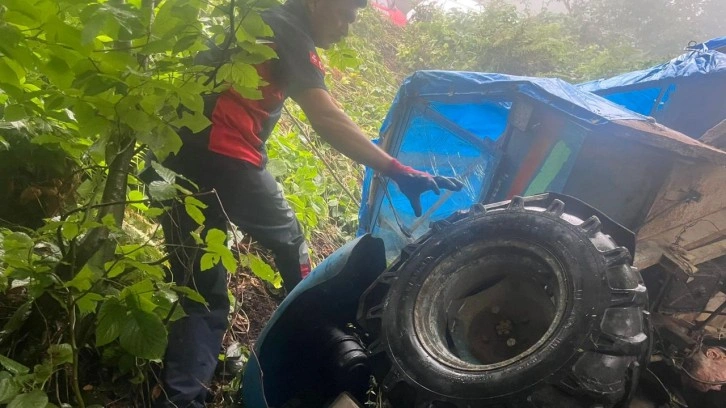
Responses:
[413,183]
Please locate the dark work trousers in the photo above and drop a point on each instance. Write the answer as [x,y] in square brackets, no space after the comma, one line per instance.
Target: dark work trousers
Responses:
[251,199]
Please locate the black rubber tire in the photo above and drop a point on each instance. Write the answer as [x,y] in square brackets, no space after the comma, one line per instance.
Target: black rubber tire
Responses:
[591,358]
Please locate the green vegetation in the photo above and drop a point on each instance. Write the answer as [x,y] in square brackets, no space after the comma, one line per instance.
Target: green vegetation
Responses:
[88,88]
[501,39]
[92,86]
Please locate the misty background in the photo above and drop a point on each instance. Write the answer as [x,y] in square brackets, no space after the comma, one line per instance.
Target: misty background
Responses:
[658,28]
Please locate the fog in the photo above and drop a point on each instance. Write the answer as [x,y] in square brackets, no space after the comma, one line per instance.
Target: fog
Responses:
[659,27]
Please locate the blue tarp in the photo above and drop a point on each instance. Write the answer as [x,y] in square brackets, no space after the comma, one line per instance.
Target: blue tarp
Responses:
[447,123]
[686,94]
[716,44]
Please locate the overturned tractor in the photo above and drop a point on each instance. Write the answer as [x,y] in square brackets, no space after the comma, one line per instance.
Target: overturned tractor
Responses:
[602,287]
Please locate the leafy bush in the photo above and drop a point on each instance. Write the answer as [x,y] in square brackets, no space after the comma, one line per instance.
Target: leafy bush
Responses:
[98,83]
[501,39]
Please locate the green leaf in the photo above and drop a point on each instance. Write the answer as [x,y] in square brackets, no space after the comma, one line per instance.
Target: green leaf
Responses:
[14,112]
[166,174]
[58,71]
[257,52]
[162,141]
[208,261]
[195,122]
[193,209]
[153,212]
[184,43]
[216,236]
[260,268]
[166,305]
[94,83]
[142,288]
[13,366]
[162,190]
[244,76]
[139,120]
[249,93]
[62,32]
[155,271]
[144,335]
[8,388]
[276,167]
[197,238]
[7,74]
[32,399]
[228,260]
[87,304]
[60,354]
[139,295]
[17,320]
[92,23]
[110,319]
[109,222]
[126,18]
[39,284]
[84,279]
[217,250]
[69,230]
[194,201]
[190,294]
[24,13]
[136,195]
[42,372]
[255,27]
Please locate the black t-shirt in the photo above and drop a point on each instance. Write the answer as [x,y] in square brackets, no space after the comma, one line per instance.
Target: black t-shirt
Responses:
[298,66]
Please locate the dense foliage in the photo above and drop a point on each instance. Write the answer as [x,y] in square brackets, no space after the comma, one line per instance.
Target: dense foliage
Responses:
[89,87]
[499,38]
[658,27]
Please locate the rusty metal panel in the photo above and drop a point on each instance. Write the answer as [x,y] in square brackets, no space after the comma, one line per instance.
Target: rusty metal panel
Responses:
[661,137]
[688,216]
[690,207]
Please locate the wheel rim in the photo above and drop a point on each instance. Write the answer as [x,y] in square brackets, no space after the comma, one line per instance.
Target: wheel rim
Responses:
[504,301]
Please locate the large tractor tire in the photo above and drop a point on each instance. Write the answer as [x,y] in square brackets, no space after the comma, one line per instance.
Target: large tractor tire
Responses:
[516,304]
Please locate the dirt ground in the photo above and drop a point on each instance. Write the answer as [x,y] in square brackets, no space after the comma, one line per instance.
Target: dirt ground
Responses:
[256,301]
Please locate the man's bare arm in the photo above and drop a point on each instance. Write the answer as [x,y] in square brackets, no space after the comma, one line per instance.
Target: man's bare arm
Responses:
[335,127]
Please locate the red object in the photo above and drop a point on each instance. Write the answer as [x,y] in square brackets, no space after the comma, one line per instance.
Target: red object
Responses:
[305,270]
[237,122]
[541,147]
[315,60]
[396,167]
[395,15]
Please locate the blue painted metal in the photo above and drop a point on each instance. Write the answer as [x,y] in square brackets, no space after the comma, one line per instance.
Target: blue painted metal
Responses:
[329,293]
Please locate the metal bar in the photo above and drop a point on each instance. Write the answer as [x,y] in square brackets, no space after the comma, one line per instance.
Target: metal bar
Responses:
[486,146]
[715,314]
